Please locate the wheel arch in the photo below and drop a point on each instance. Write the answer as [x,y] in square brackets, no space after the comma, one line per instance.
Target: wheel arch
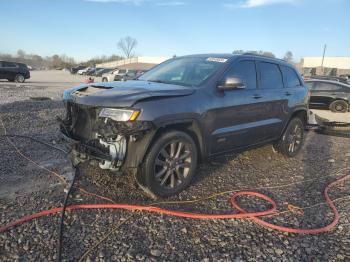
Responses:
[301,113]
[190,127]
[138,150]
[339,99]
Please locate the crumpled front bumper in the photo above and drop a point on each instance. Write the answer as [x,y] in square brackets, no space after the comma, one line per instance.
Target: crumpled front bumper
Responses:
[106,154]
[102,141]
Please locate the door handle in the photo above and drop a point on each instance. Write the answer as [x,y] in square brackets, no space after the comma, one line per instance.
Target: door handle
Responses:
[287,94]
[257,96]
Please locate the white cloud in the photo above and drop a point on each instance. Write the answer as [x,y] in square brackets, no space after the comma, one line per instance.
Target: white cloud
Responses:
[257,3]
[132,2]
[174,3]
[140,2]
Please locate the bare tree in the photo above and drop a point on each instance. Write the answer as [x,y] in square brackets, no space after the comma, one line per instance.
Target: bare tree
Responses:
[238,52]
[21,53]
[127,46]
[288,57]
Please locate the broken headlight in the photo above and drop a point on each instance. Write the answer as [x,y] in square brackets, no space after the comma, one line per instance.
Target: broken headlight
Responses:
[119,114]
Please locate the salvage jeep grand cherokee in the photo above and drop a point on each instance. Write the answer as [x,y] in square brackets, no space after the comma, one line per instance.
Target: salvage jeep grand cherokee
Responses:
[185,110]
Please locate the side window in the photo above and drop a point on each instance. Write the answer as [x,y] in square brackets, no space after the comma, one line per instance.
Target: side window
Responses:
[8,64]
[246,71]
[290,77]
[270,76]
[322,86]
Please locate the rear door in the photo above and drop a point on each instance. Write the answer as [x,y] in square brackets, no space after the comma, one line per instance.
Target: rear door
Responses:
[273,102]
[294,91]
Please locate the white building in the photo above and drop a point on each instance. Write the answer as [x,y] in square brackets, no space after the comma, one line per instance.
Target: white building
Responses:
[137,63]
[338,65]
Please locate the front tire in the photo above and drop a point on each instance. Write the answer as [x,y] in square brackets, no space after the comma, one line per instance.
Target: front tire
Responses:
[292,139]
[339,106]
[170,164]
[19,78]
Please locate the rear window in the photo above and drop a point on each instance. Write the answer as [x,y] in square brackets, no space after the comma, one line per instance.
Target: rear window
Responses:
[22,66]
[290,77]
[324,86]
[270,76]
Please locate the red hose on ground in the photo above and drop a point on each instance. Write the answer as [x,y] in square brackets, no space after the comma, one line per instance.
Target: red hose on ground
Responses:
[243,214]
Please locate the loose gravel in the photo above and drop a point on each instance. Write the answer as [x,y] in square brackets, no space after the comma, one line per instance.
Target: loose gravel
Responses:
[25,189]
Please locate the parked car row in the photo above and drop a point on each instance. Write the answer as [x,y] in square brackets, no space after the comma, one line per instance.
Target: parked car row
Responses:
[107,74]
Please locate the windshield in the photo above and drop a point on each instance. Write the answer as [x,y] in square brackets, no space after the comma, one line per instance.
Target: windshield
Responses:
[187,71]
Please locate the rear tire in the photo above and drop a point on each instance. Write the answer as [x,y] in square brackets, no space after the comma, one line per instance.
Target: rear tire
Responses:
[339,106]
[292,139]
[19,78]
[170,164]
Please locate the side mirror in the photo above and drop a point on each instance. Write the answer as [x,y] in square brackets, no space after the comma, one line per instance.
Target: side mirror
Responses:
[231,83]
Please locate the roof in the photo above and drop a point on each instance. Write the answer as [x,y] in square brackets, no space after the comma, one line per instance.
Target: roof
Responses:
[229,56]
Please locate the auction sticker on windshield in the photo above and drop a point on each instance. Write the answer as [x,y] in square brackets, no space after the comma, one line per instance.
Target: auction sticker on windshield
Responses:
[217,59]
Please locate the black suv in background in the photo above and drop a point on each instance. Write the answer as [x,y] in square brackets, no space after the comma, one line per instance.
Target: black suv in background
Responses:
[185,110]
[12,71]
[331,95]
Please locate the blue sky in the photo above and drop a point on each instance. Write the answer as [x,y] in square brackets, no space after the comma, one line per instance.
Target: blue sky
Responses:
[87,28]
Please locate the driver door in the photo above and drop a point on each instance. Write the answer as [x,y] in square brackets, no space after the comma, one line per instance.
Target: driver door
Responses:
[236,114]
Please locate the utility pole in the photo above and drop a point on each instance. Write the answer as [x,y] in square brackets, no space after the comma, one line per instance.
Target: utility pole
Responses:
[324,52]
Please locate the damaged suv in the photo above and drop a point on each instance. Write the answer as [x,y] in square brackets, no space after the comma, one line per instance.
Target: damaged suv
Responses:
[183,111]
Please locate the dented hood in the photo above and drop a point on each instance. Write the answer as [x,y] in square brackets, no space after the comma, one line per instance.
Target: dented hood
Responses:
[122,94]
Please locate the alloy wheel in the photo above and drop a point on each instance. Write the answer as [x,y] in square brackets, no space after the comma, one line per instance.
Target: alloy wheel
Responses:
[19,78]
[295,138]
[173,164]
[339,108]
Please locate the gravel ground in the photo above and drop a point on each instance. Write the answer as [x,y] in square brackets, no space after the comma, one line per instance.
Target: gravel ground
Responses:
[25,189]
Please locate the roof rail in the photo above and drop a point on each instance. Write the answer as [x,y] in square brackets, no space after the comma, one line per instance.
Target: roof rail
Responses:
[261,55]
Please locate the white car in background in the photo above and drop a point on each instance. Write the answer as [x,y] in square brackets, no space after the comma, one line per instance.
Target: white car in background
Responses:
[83,71]
[115,75]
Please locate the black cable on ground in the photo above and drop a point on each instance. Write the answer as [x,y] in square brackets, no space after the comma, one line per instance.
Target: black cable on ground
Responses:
[60,231]
[38,141]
